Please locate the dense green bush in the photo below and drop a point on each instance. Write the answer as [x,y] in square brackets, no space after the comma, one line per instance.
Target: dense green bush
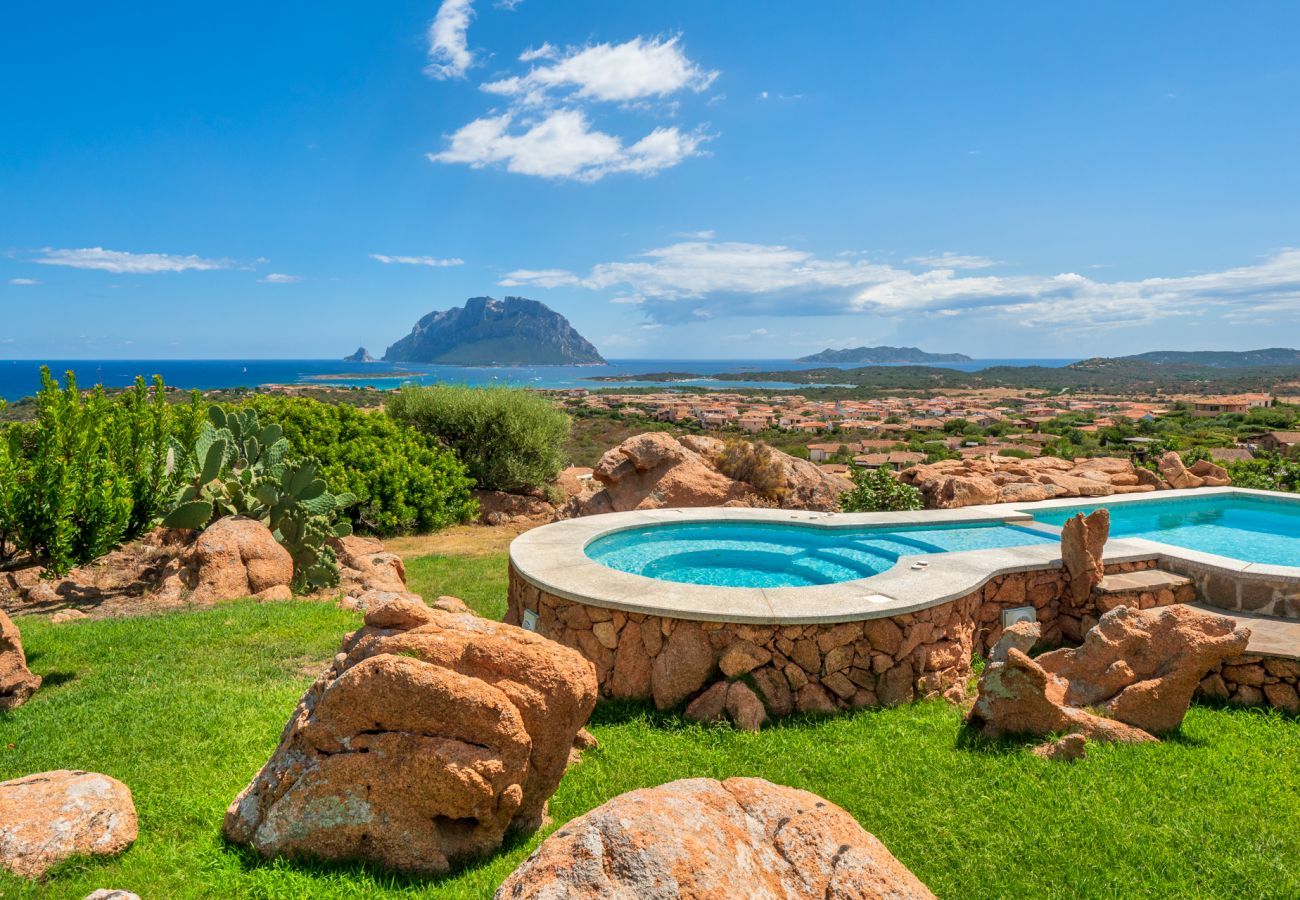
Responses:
[509,439]
[404,480]
[88,472]
[877,490]
[1269,472]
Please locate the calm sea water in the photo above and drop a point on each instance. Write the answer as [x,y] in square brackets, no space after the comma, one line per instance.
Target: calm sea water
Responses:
[21,378]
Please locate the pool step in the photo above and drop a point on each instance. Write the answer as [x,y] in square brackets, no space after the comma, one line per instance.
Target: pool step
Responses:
[1142,580]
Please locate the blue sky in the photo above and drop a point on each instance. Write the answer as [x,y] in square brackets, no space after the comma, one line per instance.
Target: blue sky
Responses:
[681,179]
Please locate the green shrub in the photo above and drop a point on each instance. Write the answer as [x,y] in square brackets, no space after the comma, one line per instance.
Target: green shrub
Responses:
[754,463]
[1266,473]
[877,490]
[88,472]
[404,480]
[509,439]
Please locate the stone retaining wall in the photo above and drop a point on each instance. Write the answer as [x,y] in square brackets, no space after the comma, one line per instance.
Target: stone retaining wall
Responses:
[1253,680]
[819,667]
[1241,591]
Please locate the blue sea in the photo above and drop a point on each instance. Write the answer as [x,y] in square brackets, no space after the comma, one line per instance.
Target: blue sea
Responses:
[21,377]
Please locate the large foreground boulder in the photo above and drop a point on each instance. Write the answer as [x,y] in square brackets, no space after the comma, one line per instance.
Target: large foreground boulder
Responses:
[238,557]
[430,737]
[17,682]
[52,816]
[1131,679]
[700,838]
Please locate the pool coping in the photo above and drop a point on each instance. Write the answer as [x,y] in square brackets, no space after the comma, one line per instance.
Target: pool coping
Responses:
[552,557]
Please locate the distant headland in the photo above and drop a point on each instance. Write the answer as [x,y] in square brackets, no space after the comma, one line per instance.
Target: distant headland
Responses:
[882,356]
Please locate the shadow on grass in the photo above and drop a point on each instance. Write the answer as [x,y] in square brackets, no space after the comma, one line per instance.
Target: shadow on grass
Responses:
[381,877]
[54,679]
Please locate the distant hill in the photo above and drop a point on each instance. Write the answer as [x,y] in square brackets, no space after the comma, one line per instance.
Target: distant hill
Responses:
[489,332]
[882,356]
[362,356]
[1211,359]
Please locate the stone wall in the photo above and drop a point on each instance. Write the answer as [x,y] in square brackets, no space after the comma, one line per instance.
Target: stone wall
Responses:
[1238,591]
[819,667]
[1253,680]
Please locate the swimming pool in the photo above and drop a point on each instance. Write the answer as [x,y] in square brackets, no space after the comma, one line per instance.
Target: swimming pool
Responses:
[774,555]
[1246,527]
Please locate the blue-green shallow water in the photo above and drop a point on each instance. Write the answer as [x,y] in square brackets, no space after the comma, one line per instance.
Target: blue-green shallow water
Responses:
[761,554]
[1252,529]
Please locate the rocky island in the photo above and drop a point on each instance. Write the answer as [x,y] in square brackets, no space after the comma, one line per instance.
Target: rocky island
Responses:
[485,331]
[362,356]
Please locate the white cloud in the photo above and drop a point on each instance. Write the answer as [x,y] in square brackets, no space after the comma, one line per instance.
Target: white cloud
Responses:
[706,235]
[449,53]
[948,260]
[563,145]
[417,260]
[688,280]
[279,278]
[121,262]
[634,70]
[544,278]
[23,282]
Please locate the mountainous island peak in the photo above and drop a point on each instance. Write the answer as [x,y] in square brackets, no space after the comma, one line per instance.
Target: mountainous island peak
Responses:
[361,356]
[513,331]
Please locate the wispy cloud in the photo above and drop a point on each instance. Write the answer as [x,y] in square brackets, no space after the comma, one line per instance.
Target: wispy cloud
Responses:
[634,70]
[449,53]
[948,260]
[546,129]
[689,280]
[563,145]
[124,263]
[23,282]
[279,278]
[417,260]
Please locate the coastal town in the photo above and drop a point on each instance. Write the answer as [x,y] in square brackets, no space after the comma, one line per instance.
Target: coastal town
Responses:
[843,434]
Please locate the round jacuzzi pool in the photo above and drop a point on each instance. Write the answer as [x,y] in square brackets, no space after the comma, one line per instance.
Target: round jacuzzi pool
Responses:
[776,555]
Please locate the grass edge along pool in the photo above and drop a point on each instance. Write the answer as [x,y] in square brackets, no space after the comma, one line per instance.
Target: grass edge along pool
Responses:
[780,554]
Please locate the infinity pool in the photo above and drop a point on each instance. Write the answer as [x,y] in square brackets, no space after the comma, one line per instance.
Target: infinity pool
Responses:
[1252,529]
[761,554]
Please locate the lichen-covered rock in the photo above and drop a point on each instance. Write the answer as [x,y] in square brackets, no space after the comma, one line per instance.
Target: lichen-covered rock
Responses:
[431,736]
[237,557]
[1083,539]
[364,565]
[1142,667]
[53,816]
[1132,678]
[1172,469]
[699,838]
[17,682]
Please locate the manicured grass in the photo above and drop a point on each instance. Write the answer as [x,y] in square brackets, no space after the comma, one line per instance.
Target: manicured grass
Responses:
[480,581]
[185,707]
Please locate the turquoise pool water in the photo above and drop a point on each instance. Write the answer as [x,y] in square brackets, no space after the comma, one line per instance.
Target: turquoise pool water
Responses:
[761,554]
[1252,529]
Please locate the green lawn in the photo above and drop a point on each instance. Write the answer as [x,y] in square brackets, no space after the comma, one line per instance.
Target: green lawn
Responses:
[185,707]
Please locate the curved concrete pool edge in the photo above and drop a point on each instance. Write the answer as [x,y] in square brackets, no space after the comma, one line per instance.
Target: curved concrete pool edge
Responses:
[553,558]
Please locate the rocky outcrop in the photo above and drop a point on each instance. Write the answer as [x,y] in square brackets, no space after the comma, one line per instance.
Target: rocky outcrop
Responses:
[656,470]
[1083,539]
[52,816]
[17,682]
[1131,679]
[698,838]
[1211,475]
[364,565]
[954,483]
[501,508]
[430,737]
[238,557]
